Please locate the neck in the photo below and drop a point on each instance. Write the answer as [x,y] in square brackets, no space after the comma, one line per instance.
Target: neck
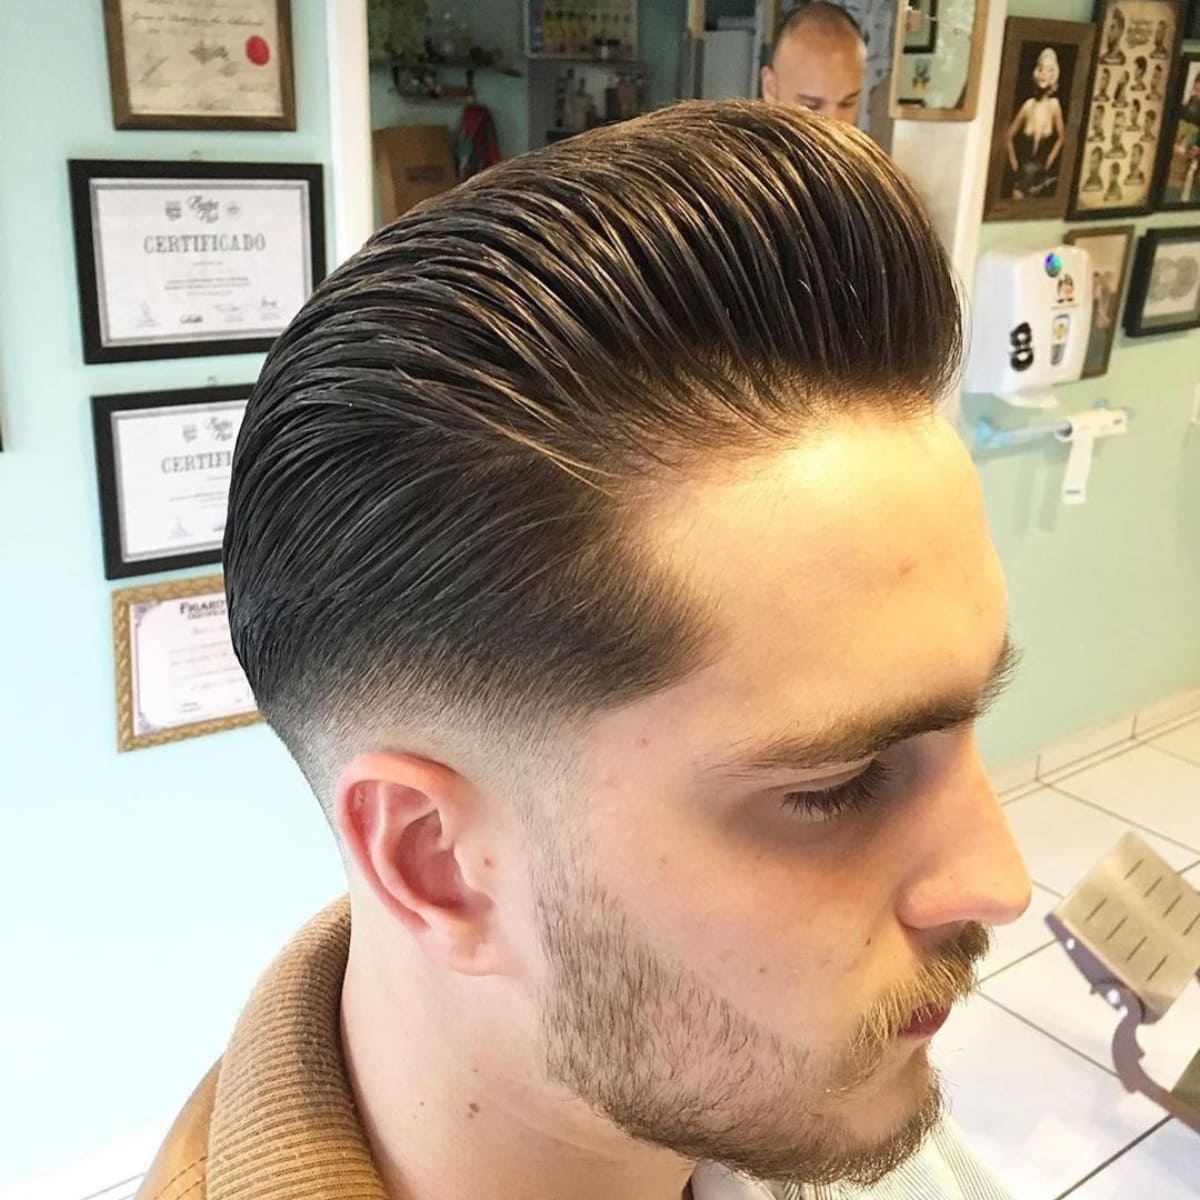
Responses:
[451,1114]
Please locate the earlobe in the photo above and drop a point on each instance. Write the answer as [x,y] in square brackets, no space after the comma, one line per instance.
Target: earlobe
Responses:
[401,819]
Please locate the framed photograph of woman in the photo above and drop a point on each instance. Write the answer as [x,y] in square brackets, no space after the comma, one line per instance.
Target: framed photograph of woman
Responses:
[1164,291]
[1039,105]
[1179,172]
[1129,91]
[1108,246]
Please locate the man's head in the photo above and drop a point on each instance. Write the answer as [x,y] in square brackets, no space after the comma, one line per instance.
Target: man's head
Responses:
[817,61]
[595,547]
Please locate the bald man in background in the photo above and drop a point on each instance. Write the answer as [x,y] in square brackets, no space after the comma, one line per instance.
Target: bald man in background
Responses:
[817,61]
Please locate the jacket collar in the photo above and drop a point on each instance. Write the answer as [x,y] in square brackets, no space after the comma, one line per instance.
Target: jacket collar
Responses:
[285,1125]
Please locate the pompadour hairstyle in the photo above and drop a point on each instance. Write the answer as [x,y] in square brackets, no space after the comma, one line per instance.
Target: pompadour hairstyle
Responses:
[433,513]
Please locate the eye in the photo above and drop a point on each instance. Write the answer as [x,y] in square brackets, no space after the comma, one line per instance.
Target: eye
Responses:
[858,793]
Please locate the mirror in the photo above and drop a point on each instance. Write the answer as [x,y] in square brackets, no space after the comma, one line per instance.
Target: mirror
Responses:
[935,60]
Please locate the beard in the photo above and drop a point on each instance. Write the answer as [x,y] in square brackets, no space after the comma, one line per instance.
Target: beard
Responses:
[667,1060]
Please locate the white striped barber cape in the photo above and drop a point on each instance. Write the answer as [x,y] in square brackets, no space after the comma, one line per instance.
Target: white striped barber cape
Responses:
[943,1169]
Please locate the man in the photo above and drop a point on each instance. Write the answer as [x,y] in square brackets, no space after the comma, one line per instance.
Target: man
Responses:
[1191,110]
[1135,173]
[596,549]
[817,61]
[1161,50]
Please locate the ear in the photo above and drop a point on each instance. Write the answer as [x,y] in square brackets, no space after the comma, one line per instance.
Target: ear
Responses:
[411,828]
[767,84]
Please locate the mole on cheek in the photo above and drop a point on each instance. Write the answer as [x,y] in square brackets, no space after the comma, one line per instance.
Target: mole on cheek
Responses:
[907,566]
[472,1109]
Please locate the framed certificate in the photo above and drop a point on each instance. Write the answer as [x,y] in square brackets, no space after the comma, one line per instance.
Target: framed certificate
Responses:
[163,461]
[200,64]
[176,673]
[188,258]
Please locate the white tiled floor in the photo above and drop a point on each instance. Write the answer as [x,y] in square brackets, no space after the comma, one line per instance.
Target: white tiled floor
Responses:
[1027,1062]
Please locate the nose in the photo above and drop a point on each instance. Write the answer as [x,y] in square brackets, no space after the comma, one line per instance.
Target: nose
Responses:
[966,863]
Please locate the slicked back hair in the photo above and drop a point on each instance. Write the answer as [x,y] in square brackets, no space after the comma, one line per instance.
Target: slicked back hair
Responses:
[432,518]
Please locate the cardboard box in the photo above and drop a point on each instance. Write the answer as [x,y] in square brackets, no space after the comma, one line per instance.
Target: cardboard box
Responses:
[412,163]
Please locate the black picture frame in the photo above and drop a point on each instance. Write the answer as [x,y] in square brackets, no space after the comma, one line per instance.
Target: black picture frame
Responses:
[1192,30]
[83,173]
[105,409]
[1180,152]
[1114,52]
[927,9]
[1137,324]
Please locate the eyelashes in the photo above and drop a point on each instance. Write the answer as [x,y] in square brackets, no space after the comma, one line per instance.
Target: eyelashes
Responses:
[861,791]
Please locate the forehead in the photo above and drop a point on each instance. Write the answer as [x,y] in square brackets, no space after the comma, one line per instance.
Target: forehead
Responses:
[852,567]
[813,59]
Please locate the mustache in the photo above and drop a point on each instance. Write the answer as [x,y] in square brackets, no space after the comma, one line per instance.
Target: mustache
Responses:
[949,975]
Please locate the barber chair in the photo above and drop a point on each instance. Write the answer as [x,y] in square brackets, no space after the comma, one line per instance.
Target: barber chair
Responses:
[1132,927]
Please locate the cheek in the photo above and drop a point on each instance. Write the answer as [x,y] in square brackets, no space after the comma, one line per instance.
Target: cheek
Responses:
[783,931]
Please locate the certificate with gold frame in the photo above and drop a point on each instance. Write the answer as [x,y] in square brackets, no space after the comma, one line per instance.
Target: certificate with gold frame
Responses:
[175,670]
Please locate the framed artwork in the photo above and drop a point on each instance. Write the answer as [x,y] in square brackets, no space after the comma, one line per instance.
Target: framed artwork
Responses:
[1164,290]
[186,258]
[1137,41]
[1043,81]
[920,27]
[175,670]
[1108,246]
[163,463]
[1179,173]
[200,64]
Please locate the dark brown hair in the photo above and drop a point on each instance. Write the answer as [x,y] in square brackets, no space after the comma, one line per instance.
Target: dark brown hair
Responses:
[431,518]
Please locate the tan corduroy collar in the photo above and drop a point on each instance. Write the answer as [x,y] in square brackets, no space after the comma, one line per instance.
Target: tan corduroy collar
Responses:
[285,1124]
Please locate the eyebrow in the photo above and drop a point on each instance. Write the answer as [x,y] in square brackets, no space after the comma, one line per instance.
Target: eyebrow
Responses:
[847,741]
[852,98]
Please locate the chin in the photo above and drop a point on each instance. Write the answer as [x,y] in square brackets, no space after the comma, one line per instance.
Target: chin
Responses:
[894,1099]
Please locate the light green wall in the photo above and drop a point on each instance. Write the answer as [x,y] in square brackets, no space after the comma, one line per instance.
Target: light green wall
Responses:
[140,894]
[1105,598]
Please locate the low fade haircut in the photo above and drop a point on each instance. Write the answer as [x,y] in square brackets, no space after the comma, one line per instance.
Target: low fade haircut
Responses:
[433,517]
